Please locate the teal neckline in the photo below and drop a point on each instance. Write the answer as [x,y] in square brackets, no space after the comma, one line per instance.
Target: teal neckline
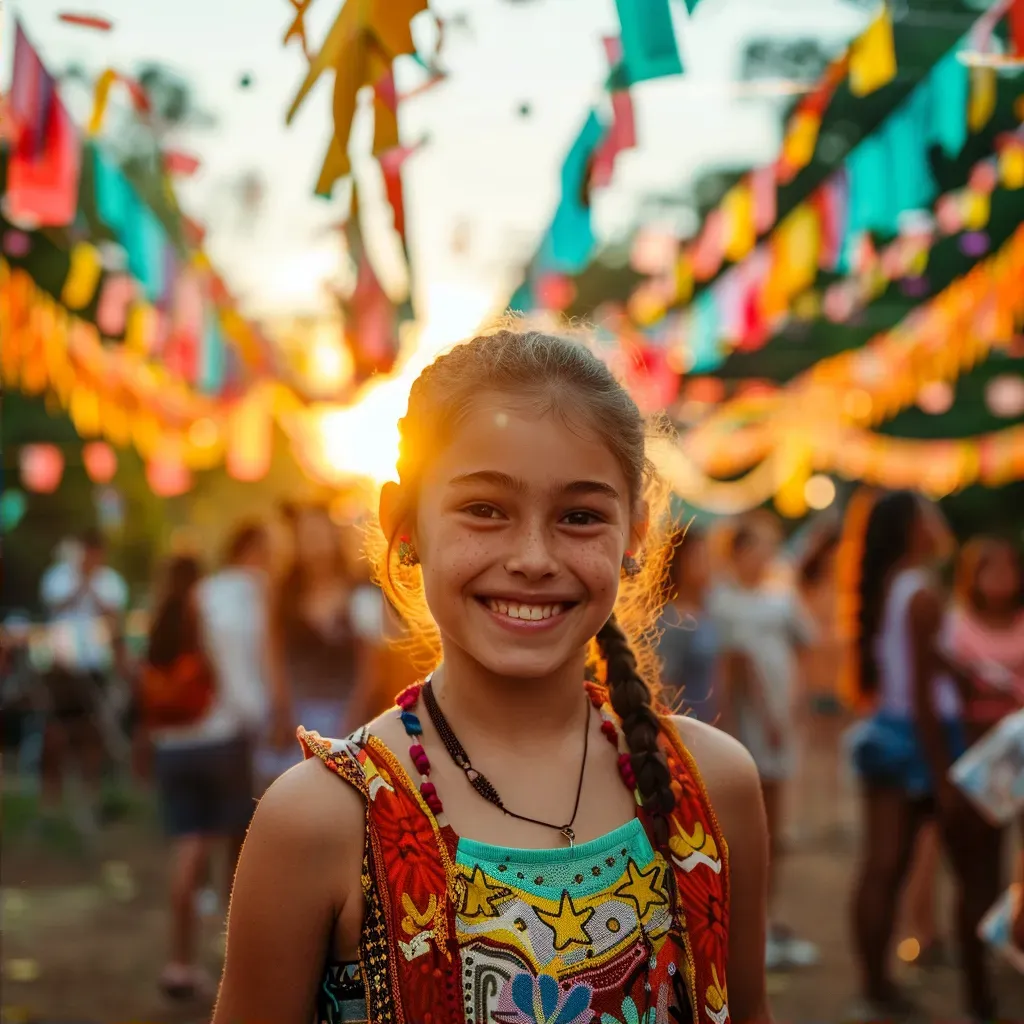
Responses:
[623,835]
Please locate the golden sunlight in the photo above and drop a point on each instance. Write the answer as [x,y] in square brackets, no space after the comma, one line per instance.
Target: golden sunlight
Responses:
[361,440]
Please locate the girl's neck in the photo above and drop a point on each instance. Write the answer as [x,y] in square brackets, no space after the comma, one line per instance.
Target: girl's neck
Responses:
[489,704]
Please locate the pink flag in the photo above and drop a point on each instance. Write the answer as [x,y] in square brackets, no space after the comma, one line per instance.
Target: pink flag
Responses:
[762,185]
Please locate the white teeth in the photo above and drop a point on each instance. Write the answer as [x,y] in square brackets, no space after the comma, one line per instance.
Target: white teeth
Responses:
[526,612]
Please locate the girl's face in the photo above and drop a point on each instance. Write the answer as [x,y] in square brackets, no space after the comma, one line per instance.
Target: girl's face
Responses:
[998,580]
[522,523]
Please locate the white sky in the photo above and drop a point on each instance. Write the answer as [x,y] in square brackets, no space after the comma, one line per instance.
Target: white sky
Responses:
[485,166]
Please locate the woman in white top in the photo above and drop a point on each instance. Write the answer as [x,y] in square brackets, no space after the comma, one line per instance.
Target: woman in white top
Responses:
[204,769]
[903,751]
[762,625]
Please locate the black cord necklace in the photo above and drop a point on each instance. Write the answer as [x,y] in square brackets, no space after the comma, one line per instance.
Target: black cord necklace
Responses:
[481,783]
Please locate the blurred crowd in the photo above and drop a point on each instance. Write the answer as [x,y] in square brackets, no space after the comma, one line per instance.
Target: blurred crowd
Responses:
[201,695]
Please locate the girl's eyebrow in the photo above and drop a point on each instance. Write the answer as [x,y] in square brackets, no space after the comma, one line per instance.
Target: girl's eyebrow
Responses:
[511,483]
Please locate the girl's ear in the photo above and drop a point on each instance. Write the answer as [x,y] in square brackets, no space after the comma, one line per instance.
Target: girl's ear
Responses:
[391,509]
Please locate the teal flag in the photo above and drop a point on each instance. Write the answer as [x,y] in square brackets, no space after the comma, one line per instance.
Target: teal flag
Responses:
[648,40]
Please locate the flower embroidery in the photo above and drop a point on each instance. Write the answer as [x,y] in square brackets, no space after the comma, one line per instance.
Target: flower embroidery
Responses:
[705,914]
[412,864]
[630,1014]
[525,999]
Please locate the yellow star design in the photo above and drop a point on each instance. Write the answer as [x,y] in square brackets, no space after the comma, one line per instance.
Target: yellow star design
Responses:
[568,923]
[642,888]
[479,896]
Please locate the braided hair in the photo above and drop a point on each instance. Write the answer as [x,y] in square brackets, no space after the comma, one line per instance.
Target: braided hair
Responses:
[562,375]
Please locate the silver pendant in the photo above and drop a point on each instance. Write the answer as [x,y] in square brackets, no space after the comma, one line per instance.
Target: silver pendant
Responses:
[569,834]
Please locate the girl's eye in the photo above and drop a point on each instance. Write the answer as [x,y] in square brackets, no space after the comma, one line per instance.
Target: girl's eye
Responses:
[581,517]
[482,511]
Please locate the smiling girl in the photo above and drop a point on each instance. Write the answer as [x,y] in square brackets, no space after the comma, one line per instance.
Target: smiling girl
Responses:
[523,837]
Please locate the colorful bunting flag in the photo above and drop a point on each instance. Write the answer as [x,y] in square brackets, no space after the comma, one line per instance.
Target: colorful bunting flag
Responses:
[44,164]
[648,40]
[873,56]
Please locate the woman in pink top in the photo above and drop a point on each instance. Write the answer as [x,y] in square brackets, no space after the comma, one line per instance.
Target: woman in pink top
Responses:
[985,644]
[986,632]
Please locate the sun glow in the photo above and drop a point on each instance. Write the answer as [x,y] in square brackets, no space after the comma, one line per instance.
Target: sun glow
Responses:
[361,440]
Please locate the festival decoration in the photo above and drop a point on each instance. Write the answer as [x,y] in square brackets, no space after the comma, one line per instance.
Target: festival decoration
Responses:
[821,421]
[13,505]
[93,21]
[873,56]
[44,163]
[42,466]
[648,41]
[359,48]
[100,461]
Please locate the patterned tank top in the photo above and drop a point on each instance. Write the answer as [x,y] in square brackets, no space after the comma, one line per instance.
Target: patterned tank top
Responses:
[460,931]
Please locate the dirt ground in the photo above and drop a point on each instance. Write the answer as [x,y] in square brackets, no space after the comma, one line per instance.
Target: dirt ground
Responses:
[85,935]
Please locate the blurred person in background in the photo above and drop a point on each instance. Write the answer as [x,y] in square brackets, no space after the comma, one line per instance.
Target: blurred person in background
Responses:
[203,768]
[761,621]
[85,601]
[983,645]
[903,751]
[690,647]
[321,653]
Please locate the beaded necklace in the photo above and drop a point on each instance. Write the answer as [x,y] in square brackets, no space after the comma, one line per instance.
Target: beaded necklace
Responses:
[482,784]
[409,698]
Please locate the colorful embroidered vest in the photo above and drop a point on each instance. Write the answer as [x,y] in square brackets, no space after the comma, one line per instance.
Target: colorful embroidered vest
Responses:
[456,931]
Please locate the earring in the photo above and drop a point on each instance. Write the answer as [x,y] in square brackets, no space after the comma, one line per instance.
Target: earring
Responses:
[631,566]
[407,556]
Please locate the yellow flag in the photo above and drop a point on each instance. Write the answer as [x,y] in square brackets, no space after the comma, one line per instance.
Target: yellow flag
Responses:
[138,332]
[801,139]
[982,104]
[738,207]
[873,56]
[83,276]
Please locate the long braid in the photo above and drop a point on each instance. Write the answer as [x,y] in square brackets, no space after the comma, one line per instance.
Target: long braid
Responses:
[631,700]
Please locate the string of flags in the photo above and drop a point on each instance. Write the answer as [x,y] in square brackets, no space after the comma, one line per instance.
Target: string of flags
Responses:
[821,422]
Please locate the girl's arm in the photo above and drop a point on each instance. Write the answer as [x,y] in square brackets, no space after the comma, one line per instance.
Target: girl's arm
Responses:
[734,789]
[925,615]
[297,882]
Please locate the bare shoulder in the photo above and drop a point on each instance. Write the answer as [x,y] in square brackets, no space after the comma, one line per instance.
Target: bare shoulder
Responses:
[311,808]
[728,772]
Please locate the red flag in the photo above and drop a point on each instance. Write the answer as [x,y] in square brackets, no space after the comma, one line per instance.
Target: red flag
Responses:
[391,167]
[1016,16]
[622,133]
[183,164]
[42,174]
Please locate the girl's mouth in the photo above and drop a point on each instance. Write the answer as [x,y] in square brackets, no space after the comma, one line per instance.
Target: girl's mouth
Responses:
[521,614]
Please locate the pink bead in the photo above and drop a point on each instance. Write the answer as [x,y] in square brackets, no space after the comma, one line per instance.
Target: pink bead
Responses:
[434,804]
[409,697]
[416,750]
[609,730]
[422,763]
[428,790]
[626,770]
